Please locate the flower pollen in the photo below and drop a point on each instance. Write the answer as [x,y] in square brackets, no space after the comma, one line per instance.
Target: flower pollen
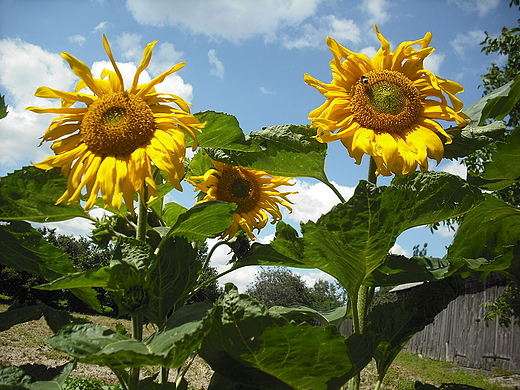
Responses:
[238,186]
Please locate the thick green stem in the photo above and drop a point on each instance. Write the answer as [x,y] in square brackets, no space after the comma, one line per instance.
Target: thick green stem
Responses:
[137,319]
[335,190]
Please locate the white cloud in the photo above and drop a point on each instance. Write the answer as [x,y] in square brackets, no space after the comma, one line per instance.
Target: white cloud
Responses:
[308,35]
[313,200]
[312,277]
[25,67]
[101,27]
[266,91]
[433,62]
[234,20]
[399,250]
[79,39]
[482,7]
[467,41]
[377,9]
[455,168]
[218,67]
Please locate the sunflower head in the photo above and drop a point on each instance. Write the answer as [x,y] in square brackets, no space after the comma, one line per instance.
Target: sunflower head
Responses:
[387,107]
[254,192]
[107,142]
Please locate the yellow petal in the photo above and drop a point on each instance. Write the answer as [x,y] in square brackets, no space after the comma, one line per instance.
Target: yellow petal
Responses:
[82,71]
[114,64]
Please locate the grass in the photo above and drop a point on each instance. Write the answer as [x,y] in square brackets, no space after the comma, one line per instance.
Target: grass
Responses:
[26,343]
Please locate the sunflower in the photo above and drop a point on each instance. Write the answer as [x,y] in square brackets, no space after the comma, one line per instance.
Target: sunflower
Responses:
[254,192]
[387,106]
[108,145]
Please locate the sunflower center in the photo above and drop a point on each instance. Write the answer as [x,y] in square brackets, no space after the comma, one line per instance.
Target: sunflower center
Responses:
[385,100]
[238,185]
[117,124]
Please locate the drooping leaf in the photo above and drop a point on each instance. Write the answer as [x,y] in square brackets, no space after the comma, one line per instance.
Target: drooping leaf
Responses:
[287,150]
[254,347]
[353,239]
[397,322]
[35,377]
[90,278]
[19,315]
[221,131]
[496,104]
[30,194]
[205,220]
[23,248]
[398,269]
[487,233]
[465,141]
[169,347]
[173,276]
[504,169]
[326,316]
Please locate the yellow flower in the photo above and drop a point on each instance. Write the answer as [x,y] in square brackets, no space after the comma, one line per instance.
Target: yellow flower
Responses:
[254,192]
[110,143]
[387,106]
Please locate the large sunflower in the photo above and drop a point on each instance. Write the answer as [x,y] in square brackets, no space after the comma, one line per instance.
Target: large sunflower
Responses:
[254,192]
[109,144]
[387,106]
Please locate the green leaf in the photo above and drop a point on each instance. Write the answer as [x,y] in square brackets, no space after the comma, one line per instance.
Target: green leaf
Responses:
[174,275]
[208,219]
[91,278]
[30,194]
[399,269]
[397,322]
[3,108]
[172,211]
[169,347]
[35,377]
[19,315]
[326,316]
[354,238]
[254,347]
[288,150]
[496,104]
[470,138]
[486,234]
[504,169]
[221,131]
[135,253]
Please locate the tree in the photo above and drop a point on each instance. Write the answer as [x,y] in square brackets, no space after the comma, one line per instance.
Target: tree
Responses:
[327,295]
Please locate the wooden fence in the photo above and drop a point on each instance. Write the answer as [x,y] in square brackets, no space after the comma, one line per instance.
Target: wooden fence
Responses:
[459,333]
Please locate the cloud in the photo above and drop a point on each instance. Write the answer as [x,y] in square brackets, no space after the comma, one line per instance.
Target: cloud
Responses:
[433,62]
[313,200]
[79,39]
[482,7]
[233,20]
[163,58]
[399,250]
[454,167]
[101,27]
[312,277]
[377,9]
[266,91]
[218,66]
[467,41]
[25,67]
[308,35]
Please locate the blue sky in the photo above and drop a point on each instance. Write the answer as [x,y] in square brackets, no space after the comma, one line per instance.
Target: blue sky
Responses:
[244,57]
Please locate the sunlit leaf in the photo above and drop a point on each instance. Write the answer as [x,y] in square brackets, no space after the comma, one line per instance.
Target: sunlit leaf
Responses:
[470,138]
[254,347]
[30,194]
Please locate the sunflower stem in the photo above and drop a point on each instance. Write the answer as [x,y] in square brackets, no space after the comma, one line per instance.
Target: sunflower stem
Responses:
[137,318]
[335,190]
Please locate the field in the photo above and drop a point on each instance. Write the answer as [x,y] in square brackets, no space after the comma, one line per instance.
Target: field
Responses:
[25,344]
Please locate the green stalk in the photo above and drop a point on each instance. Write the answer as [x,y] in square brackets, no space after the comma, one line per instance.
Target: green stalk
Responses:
[137,319]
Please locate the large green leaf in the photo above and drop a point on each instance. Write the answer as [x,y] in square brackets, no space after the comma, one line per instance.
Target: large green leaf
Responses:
[504,169]
[470,138]
[30,194]
[174,275]
[399,269]
[23,248]
[353,239]
[287,150]
[35,377]
[252,346]
[326,316]
[221,131]
[17,314]
[208,219]
[496,104]
[397,322]
[486,238]
[169,347]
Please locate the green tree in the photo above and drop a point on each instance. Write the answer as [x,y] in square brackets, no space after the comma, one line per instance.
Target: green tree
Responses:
[327,295]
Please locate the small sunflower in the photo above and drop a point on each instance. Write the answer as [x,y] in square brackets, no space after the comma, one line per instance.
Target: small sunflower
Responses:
[387,106]
[109,145]
[254,192]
